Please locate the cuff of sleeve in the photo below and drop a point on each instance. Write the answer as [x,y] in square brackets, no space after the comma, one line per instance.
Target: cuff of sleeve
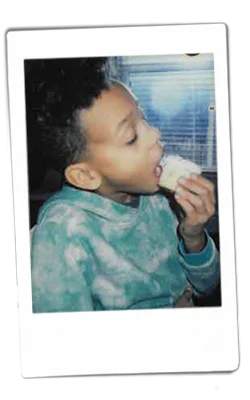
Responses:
[197,259]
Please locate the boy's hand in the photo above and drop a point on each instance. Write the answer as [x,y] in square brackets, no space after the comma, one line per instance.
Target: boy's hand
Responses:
[196,196]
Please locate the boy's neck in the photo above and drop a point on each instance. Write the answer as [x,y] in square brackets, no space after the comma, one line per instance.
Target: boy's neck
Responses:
[120,197]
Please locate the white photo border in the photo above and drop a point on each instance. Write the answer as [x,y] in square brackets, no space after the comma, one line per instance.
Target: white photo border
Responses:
[136,341]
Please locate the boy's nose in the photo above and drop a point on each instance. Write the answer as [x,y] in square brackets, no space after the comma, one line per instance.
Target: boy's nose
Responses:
[156,135]
[157,141]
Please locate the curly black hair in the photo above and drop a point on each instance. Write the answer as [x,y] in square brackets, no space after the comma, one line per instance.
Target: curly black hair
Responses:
[56,90]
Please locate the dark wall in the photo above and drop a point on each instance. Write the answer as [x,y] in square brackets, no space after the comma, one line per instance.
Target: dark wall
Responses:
[46,184]
[213,224]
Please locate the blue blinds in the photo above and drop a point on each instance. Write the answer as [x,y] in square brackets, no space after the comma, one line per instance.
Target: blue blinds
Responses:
[178,97]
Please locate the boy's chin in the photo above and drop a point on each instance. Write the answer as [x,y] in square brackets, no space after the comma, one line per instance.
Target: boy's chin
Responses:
[156,190]
[152,190]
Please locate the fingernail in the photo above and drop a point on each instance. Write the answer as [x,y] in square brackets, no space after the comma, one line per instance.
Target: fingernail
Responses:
[178,190]
[193,176]
[182,181]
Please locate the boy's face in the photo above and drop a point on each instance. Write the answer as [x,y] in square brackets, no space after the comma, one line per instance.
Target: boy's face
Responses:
[123,149]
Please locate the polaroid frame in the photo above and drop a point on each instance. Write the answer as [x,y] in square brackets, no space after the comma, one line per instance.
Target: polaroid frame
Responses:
[136,341]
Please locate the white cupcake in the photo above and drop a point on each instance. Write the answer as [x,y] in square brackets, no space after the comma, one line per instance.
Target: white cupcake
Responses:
[174,167]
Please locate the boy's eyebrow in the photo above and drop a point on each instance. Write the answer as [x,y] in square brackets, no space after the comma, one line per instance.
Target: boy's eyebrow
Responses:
[124,121]
[129,117]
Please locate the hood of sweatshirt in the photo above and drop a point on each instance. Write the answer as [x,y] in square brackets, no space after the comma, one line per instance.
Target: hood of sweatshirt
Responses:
[96,204]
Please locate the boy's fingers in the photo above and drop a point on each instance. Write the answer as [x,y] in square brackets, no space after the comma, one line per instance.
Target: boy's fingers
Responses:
[205,183]
[210,207]
[189,209]
[197,194]
[197,202]
[195,187]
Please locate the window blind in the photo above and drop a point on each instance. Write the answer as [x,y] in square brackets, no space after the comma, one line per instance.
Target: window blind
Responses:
[180,102]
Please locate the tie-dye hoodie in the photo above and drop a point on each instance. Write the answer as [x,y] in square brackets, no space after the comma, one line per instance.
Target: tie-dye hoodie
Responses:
[91,253]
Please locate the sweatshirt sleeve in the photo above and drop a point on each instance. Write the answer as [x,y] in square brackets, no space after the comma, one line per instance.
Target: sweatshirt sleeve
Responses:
[203,268]
[57,272]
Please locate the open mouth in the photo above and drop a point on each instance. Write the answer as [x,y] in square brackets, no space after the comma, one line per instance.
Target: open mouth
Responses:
[159,167]
[158,171]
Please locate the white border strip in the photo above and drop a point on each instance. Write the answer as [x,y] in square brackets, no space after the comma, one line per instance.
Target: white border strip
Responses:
[125,341]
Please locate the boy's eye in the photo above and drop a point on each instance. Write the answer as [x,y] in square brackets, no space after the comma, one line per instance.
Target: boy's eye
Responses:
[133,140]
[133,129]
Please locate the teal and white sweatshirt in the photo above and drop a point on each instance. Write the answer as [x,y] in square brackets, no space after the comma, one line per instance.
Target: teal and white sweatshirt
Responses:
[91,253]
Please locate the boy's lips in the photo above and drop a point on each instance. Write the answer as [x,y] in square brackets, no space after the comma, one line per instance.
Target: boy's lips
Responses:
[158,168]
[158,171]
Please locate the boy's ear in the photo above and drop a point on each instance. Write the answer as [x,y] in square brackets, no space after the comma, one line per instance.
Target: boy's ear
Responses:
[81,175]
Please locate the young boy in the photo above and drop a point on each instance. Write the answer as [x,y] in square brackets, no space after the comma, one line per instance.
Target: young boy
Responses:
[108,240]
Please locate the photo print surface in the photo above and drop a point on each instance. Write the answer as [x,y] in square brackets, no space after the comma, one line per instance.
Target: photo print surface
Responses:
[123,207]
